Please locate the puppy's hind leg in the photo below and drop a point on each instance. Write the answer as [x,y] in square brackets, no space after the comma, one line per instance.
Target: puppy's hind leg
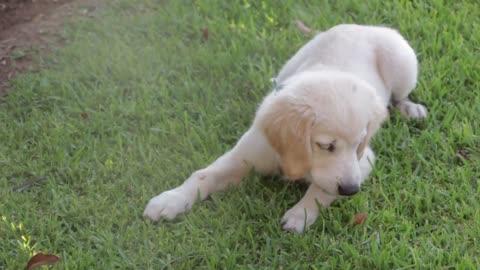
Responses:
[399,70]
[250,151]
[410,109]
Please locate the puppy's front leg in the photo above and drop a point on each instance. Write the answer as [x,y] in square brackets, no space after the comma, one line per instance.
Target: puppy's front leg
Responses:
[251,150]
[305,212]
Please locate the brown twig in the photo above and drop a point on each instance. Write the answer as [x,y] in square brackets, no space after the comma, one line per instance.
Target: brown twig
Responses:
[28,183]
[303,28]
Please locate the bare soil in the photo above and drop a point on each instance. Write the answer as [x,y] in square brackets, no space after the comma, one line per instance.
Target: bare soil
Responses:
[29,28]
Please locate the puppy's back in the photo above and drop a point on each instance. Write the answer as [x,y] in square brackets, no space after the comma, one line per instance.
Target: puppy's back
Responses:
[378,55]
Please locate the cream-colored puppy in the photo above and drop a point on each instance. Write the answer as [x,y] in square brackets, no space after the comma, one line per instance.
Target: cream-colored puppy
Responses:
[330,99]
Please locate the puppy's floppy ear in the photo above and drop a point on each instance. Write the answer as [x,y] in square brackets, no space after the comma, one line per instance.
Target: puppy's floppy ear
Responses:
[379,113]
[287,124]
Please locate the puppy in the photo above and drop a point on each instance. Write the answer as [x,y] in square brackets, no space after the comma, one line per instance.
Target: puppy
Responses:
[331,98]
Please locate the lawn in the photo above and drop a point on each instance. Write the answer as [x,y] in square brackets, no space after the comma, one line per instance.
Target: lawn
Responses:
[148,91]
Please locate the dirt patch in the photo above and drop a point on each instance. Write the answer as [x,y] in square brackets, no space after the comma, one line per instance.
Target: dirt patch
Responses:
[30,28]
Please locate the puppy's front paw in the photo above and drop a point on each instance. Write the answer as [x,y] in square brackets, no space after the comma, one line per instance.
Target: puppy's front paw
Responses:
[167,205]
[411,109]
[299,218]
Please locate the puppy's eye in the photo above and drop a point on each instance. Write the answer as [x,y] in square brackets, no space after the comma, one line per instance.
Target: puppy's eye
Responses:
[330,147]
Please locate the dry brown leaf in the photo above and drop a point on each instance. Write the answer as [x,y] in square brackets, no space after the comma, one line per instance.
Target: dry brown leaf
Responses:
[205,34]
[84,115]
[360,218]
[40,259]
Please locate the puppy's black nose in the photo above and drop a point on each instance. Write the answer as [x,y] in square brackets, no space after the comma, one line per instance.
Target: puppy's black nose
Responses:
[348,190]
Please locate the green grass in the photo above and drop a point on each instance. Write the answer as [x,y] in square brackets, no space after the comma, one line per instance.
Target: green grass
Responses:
[137,100]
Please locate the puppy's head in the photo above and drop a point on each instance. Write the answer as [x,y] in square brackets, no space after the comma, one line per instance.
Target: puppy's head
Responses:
[319,125]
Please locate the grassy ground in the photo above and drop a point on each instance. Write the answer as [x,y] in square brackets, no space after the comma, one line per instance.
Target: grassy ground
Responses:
[137,100]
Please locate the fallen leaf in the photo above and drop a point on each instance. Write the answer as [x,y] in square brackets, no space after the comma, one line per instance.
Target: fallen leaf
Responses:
[360,218]
[40,259]
[205,34]
[84,115]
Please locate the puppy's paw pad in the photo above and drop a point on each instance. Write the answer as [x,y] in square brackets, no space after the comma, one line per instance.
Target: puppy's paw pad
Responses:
[298,219]
[412,110]
[167,205]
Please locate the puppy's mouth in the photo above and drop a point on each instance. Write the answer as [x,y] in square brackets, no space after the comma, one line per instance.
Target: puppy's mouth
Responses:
[328,192]
[309,178]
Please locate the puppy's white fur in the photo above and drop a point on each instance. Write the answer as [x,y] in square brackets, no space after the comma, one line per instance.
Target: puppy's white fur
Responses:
[332,98]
